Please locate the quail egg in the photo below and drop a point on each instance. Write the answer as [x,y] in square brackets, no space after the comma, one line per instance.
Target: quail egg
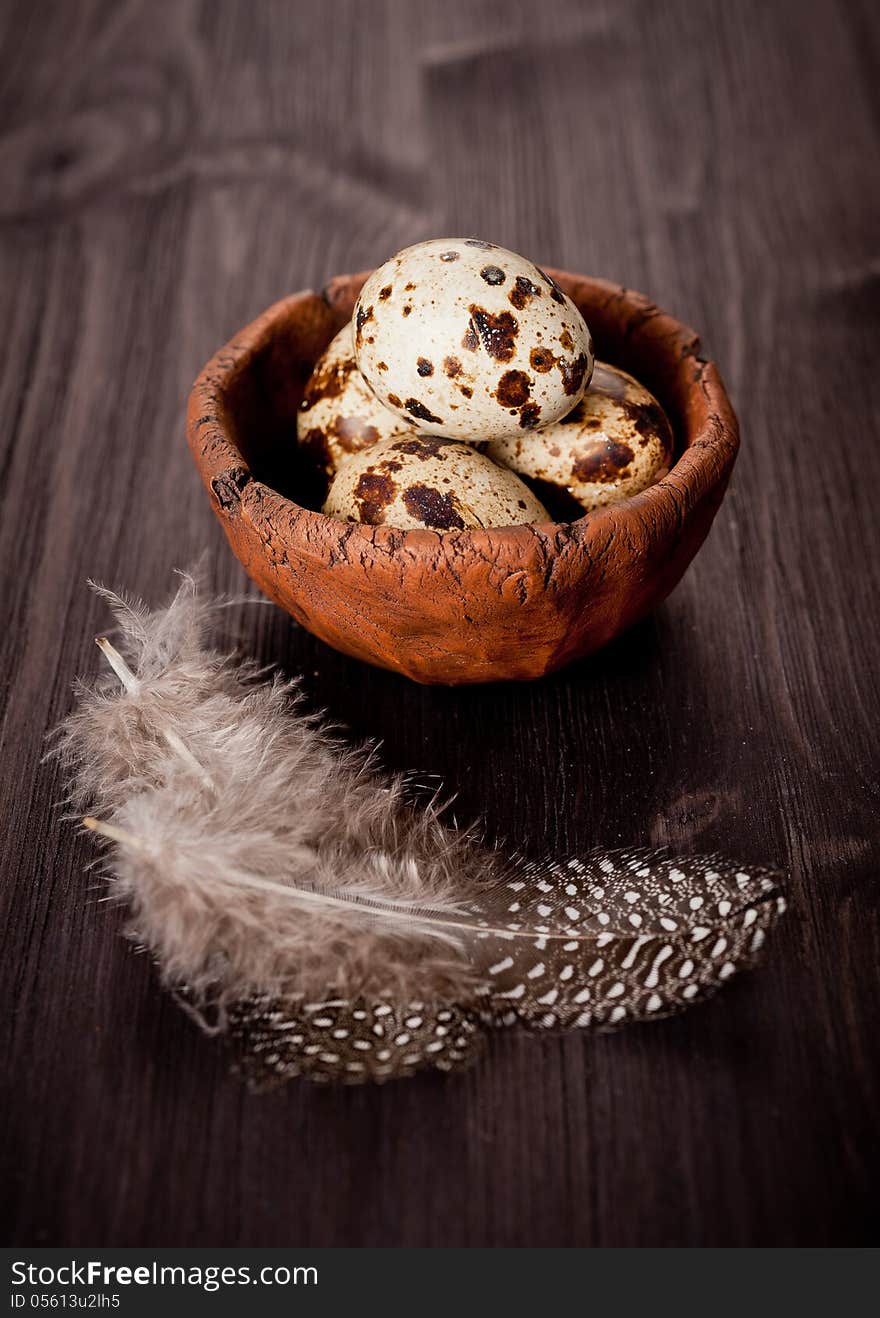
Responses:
[339,415]
[421,481]
[470,341]
[615,443]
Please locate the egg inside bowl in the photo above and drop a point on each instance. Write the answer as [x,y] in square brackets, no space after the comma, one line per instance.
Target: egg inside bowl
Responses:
[468,604]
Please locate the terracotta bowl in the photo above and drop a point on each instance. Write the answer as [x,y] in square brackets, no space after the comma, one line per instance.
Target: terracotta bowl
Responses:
[467,605]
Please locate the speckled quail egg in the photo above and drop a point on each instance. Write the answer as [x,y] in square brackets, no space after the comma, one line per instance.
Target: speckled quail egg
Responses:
[428,481]
[339,414]
[470,341]
[615,443]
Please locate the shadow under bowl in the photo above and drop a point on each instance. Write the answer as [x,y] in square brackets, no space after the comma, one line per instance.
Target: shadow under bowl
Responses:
[466,605]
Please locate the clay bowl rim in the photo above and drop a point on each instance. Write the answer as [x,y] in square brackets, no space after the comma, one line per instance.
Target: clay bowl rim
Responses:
[706,444]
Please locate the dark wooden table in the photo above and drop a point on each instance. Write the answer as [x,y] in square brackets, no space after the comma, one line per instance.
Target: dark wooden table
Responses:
[170,169]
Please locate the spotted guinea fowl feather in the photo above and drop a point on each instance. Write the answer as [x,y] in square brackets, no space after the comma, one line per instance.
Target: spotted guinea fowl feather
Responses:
[340,931]
[619,936]
[340,1041]
[596,941]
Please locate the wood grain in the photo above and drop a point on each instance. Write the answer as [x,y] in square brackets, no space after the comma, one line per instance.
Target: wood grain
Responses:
[165,177]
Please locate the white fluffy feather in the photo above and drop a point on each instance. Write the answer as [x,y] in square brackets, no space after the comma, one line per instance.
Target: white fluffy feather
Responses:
[257,851]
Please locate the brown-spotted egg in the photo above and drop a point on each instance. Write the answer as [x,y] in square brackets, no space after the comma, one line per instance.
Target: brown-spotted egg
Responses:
[339,414]
[615,443]
[420,481]
[470,341]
